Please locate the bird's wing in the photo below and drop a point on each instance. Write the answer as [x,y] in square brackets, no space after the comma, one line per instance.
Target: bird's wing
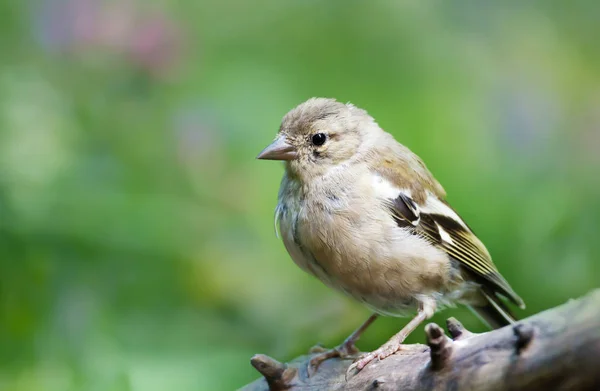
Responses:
[420,206]
[437,222]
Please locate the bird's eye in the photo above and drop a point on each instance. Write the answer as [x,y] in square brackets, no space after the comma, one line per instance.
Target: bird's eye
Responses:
[319,139]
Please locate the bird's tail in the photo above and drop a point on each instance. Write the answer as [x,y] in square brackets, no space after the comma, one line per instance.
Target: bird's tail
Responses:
[495,313]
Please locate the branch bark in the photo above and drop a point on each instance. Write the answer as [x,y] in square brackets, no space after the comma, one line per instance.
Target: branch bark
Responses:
[558,349]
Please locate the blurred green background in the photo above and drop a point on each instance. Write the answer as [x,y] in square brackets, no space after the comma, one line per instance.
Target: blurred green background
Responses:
[137,249]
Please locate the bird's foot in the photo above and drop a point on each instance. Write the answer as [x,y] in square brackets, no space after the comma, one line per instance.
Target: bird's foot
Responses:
[383,352]
[344,351]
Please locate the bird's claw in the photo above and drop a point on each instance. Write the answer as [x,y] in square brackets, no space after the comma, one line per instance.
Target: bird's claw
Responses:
[362,362]
[343,351]
[380,354]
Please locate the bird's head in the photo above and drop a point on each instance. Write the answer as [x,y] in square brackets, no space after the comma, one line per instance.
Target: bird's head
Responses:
[317,135]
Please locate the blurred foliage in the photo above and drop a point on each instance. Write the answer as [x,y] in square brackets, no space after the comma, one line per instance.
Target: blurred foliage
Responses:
[137,249]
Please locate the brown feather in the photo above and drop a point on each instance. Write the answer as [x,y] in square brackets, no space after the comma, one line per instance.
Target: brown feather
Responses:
[401,167]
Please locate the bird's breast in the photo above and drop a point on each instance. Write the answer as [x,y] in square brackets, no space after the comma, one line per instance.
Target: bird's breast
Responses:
[292,226]
[351,243]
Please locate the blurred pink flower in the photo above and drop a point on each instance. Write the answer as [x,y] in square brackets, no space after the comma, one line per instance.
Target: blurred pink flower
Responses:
[156,45]
[146,38]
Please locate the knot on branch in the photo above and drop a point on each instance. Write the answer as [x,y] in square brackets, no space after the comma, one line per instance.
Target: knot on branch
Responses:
[377,383]
[277,375]
[457,330]
[440,346]
[318,348]
[524,333]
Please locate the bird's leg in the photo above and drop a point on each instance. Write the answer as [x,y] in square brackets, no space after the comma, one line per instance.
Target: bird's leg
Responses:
[345,350]
[426,311]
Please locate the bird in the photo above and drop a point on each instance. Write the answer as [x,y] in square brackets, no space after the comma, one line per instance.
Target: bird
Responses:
[363,214]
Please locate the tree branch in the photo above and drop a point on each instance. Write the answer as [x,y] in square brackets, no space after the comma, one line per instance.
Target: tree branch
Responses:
[558,349]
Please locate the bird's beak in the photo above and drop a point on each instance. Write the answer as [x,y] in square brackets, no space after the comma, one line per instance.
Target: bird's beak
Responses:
[278,150]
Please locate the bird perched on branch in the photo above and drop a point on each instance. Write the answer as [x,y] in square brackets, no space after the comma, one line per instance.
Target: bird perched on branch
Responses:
[363,214]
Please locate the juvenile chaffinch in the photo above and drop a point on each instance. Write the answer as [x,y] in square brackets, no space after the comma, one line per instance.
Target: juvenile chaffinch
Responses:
[363,214]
